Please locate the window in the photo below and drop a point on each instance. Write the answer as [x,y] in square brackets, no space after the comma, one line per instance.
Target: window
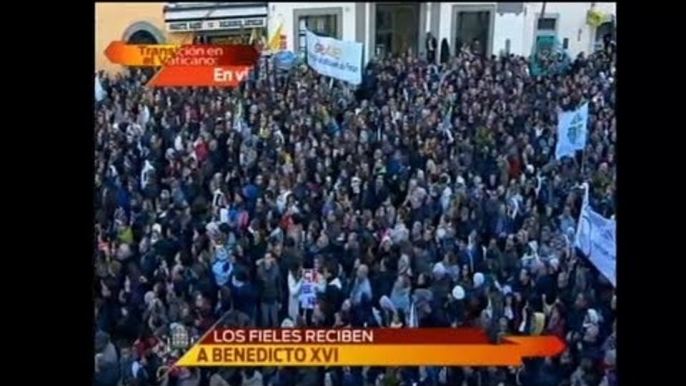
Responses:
[228,39]
[472,29]
[322,25]
[546,24]
[397,28]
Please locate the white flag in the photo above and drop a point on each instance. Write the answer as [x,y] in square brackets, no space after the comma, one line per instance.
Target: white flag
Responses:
[413,319]
[145,173]
[238,117]
[572,131]
[144,116]
[99,91]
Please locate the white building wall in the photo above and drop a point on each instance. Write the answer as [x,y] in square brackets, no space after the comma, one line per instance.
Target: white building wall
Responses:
[509,26]
[444,25]
[283,13]
[519,28]
[571,24]
[368,50]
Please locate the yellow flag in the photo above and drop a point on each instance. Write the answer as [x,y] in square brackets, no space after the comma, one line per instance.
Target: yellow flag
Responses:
[595,18]
[275,41]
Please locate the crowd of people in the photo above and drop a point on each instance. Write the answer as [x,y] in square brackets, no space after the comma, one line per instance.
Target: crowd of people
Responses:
[428,196]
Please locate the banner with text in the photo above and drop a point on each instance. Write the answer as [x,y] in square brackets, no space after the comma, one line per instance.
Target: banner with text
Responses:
[596,237]
[364,347]
[216,65]
[335,58]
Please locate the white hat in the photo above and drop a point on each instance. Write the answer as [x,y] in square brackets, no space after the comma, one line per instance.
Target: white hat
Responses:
[149,297]
[507,290]
[439,269]
[287,323]
[458,292]
[478,279]
[212,227]
[593,317]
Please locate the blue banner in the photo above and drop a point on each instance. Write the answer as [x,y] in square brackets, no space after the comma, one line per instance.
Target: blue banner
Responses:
[285,60]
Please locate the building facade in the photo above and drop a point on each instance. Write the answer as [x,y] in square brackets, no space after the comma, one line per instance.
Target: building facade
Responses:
[397,27]
[126,22]
[490,27]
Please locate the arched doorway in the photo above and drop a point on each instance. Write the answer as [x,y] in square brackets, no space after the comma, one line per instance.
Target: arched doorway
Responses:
[142,37]
[144,33]
[604,34]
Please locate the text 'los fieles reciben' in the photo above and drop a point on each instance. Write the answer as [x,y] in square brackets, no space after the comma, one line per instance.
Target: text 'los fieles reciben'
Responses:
[293,336]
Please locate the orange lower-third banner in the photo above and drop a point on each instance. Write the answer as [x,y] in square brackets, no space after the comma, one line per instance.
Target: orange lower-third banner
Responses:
[506,354]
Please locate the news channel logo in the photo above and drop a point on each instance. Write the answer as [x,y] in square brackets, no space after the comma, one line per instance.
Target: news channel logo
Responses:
[328,50]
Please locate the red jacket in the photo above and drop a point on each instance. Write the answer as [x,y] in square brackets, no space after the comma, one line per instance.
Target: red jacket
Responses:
[515,166]
[201,151]
[144,347]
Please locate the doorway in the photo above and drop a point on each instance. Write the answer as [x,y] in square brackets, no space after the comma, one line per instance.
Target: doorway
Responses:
[397,28]
[605,33]
[473,28]
[143,37]
[325,25]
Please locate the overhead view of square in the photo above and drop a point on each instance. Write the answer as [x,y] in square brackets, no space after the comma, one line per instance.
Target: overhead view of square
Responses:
[339,169]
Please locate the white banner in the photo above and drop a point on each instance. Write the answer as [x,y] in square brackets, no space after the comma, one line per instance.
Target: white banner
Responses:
[572,131]
[596,237]
[335,58]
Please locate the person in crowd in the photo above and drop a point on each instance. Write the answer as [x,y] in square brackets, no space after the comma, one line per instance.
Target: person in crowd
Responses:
[270,283]
[428,196]
[295,282]
[431,47]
